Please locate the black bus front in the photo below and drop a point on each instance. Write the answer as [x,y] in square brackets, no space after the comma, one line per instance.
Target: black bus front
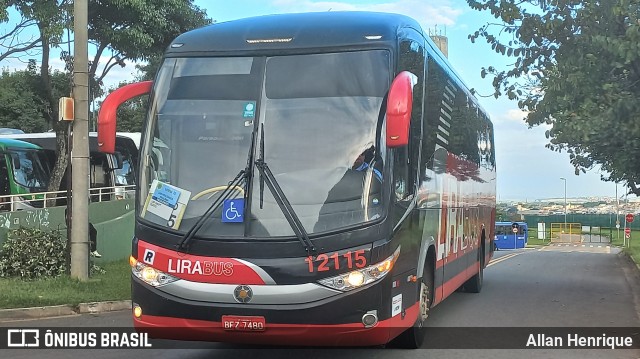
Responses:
[264,200]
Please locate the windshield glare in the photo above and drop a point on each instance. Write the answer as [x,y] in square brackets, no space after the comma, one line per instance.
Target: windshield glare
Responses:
[29,169]
[320,118]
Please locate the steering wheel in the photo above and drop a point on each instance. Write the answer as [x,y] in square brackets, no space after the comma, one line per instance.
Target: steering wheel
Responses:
[212,190]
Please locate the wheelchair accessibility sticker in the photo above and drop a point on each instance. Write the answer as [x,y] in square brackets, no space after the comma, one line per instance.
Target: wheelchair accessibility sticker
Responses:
[232,210]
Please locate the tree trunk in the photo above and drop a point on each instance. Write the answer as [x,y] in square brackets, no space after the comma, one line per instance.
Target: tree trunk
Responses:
[52,117]
[57,174]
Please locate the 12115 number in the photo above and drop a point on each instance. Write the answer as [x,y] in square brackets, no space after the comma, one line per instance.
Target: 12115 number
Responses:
[325,262]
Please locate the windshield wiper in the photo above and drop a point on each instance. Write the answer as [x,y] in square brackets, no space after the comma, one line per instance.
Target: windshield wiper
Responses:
[285,206]
[240,179]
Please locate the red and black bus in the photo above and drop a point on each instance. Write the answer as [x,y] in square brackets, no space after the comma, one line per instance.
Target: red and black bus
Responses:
[320,178]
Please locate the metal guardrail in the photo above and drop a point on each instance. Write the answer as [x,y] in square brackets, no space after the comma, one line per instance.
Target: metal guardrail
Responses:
[34,200]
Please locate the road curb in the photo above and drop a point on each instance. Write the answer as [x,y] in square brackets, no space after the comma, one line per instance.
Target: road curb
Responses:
[633,260]
[62,310]
[99,307]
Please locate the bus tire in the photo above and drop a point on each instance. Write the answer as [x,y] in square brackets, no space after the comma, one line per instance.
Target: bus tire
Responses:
[413,337]
[474,284]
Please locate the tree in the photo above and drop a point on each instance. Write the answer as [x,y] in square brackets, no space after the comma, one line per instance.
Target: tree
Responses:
[124,29]
[13,42]
[137,30]
[576,68]
[49,18]
[23,105]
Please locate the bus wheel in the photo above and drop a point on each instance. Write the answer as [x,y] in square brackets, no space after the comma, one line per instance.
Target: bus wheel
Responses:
[413,337]
[474,284]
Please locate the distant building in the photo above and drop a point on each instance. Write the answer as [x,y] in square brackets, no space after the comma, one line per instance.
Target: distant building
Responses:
[441,41]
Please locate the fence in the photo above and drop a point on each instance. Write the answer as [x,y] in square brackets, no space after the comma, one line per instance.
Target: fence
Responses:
[566,232]
[596,220]
[17,202]
[113,219]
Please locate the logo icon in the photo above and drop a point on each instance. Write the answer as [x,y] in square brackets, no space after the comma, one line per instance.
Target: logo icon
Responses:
[23,338]
[249,110]
[243,294]
[148,257]
[232,210]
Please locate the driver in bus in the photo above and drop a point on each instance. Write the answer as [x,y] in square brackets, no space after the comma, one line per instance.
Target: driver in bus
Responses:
[362,162]
[344,200]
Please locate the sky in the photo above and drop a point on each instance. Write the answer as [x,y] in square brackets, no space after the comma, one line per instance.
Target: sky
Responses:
[526,170]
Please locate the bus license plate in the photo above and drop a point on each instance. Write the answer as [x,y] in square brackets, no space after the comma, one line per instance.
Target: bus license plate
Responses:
[243,323]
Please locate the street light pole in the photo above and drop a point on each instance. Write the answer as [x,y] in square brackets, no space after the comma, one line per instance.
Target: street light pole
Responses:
[565,202]
[617,214]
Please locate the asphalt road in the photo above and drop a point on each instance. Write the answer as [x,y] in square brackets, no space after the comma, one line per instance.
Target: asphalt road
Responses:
[558,286]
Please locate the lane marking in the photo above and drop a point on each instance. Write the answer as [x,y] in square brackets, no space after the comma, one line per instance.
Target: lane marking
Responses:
[589,248]
[504,258]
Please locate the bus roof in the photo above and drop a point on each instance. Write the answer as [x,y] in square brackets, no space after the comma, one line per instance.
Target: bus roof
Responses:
[510,223]
[305,32]
[8,142]
[294,31]
[47,140]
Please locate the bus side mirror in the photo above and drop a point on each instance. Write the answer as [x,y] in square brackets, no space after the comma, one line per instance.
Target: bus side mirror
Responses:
[109,109]
[399,108]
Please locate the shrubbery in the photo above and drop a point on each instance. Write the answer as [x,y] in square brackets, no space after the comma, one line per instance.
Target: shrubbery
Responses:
[33,253]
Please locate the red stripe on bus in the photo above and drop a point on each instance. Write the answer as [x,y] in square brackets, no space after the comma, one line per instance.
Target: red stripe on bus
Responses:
[197,268]
[454,283]
[440,263]
[349,334]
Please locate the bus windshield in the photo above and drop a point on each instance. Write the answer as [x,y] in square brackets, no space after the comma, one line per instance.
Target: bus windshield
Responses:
[321,118]
[30,169]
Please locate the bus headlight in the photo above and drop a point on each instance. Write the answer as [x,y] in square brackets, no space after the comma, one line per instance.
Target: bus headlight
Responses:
[150,275]
[357,278]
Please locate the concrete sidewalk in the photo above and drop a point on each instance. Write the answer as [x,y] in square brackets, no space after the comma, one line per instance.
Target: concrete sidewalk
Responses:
[62,310]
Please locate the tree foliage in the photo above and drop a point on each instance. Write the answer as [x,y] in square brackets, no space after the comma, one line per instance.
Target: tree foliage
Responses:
[23,105]
[119,30]
[137,30]
[577,69]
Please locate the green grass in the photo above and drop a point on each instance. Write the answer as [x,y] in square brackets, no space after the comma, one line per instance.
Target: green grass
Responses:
[533,240]
[634,244]
[115,284]
[633,250]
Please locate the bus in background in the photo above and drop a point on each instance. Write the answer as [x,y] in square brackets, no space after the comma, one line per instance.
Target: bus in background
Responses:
[24,169]
[106,170]
[317,190]
[511,235]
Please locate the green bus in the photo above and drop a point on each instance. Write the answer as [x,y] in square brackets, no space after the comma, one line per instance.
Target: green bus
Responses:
[23,170]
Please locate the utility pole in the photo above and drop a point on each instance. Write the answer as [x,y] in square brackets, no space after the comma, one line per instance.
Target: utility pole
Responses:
[80,152]
[565,203]
[617,214]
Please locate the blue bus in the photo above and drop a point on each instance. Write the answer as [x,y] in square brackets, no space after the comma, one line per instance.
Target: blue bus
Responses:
[507,238]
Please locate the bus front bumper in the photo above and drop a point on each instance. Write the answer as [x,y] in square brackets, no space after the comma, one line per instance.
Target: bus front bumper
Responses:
[332,322]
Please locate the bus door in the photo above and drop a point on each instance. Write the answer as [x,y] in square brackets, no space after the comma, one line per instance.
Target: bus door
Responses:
[5,188]
[470,242]
[452,266]
[443,249]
